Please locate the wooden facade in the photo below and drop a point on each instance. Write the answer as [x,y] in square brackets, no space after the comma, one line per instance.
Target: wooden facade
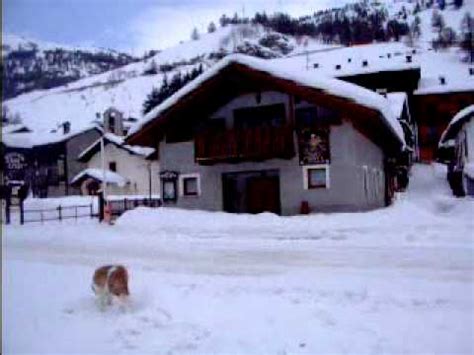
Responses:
[235,145]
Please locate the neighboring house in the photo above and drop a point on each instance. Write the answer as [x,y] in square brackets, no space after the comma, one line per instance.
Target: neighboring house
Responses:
[129,170]
[460,134]
[434,108]
[45,161]
[247,136]
[401,109]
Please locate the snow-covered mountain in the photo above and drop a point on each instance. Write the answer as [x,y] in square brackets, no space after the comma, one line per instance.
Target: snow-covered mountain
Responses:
[127,87]
[31,64]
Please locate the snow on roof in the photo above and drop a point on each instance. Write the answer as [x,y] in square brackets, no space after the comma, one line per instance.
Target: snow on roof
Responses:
[15,128]
[111,177]
[349,61]
[119,142]
[34,139]
[331,86]
[456,123]
[397,102]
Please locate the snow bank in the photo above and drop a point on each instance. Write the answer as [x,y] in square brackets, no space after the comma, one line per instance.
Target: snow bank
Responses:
[428,202]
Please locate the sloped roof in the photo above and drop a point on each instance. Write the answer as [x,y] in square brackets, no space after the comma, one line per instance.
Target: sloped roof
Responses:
[119,142]
[111,177]
[456,123]
[397,102]
[345,93]
[35,139]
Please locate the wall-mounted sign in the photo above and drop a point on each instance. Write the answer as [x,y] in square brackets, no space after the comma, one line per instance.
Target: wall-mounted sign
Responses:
[169,183]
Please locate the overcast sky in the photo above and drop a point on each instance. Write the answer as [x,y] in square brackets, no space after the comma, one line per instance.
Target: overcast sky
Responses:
[133,25]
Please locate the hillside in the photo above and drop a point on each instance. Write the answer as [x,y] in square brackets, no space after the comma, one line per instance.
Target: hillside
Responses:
[127,87]
[29,65]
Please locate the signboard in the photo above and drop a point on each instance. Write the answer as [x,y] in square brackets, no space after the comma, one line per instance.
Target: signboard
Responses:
[15,166]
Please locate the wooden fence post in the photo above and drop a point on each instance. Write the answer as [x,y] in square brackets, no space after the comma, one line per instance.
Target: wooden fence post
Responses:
[22,213]
[92,209]
[60,216]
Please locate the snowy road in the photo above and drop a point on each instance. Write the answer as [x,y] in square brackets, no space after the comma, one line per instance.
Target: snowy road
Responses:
[397,280]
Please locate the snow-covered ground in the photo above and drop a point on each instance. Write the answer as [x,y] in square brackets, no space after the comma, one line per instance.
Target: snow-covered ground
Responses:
[395,280]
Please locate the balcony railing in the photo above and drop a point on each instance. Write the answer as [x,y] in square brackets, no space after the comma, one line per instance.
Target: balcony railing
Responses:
[251,144]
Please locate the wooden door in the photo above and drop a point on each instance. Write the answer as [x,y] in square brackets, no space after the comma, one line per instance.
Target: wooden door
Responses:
[263,194]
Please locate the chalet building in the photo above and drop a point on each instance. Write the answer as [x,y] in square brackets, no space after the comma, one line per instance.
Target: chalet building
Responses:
[433,110]
[129,170]
[45,162]
[247,136]
[460,135]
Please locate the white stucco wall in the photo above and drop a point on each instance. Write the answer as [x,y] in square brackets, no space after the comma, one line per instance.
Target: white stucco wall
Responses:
[132,167]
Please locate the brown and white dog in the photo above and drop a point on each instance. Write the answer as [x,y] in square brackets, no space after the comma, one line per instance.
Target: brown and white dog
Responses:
[111,281]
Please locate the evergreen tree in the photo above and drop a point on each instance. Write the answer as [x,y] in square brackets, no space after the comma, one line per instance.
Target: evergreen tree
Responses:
[157,96]
[437,21]
[467,38]
[211,28]
[224,20]
[195,34]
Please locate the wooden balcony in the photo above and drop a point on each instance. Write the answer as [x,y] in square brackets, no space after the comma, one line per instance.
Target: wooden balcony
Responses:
[253,144]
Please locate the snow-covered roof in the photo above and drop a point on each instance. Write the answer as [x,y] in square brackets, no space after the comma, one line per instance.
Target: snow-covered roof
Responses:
[34,139]
[397,102]
[98,174]
[456,123]
[329,85]
[117,141]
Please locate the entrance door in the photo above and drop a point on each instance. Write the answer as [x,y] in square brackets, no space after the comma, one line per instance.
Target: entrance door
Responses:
[252,192]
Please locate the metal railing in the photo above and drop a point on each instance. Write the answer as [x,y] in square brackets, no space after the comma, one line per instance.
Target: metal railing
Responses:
[57,214]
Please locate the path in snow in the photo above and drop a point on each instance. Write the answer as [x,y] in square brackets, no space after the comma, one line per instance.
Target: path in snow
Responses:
[396,280]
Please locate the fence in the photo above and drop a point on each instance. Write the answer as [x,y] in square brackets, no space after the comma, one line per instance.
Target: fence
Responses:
[119,206]
[57,214]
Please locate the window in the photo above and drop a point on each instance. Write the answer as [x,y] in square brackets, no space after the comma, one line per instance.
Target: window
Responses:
[190,185]
[252,117]
[113,166]
[316,176]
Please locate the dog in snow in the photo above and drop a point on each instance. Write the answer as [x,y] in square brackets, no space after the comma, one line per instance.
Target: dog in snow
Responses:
[111,281]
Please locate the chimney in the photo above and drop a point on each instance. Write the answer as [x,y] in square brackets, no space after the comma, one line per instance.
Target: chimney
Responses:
[382,92]
[442,80]
[66,127]
[365,63]
[316,65]
[408,57]
[338,66]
